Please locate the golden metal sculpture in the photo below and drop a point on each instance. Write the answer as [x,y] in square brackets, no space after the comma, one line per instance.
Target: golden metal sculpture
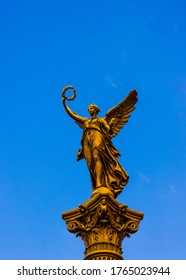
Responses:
[102,222]
[100,154]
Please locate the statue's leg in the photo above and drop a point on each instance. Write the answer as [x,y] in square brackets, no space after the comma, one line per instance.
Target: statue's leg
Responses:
[98,167]
[88,158]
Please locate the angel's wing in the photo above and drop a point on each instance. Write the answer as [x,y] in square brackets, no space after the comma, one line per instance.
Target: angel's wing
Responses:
[118,116]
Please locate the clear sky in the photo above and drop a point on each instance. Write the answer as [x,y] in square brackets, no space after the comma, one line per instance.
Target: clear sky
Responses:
[105,49]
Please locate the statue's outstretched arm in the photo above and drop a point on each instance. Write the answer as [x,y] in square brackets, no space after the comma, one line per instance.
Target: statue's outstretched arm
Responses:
[78,119]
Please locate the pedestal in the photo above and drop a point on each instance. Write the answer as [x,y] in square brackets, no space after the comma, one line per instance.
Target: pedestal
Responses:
[102,222]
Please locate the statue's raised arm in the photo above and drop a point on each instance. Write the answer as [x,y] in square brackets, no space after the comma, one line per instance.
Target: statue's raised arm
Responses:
[78,119]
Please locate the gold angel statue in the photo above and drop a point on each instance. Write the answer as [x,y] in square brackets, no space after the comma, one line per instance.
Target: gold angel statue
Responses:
[100,154]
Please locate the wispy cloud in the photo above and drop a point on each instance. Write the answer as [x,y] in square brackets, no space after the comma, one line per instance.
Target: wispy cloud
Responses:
[144,178]
[111,82]
[169,192]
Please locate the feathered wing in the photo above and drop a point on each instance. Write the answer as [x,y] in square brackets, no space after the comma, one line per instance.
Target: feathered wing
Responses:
[118,116]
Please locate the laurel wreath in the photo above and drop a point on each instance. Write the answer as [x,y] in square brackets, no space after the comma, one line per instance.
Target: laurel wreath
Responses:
[69,98]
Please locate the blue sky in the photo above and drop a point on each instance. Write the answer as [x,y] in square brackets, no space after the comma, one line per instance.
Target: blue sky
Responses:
[104,49]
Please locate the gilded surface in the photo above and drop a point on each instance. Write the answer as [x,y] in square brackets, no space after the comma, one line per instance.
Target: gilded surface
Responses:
[102,222]
[97,149]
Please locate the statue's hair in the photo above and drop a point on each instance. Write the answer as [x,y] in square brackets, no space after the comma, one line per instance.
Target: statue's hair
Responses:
[96,107]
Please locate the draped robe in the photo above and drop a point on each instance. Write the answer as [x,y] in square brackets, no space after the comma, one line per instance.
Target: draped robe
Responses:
[96,136]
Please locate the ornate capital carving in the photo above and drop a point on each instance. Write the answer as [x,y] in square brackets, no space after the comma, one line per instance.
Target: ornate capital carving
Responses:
[103,222]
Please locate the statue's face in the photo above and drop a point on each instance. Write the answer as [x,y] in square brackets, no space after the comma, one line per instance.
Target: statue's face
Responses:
[92,110]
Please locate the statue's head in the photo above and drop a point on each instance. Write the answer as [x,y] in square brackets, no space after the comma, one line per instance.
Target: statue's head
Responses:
[93,108]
